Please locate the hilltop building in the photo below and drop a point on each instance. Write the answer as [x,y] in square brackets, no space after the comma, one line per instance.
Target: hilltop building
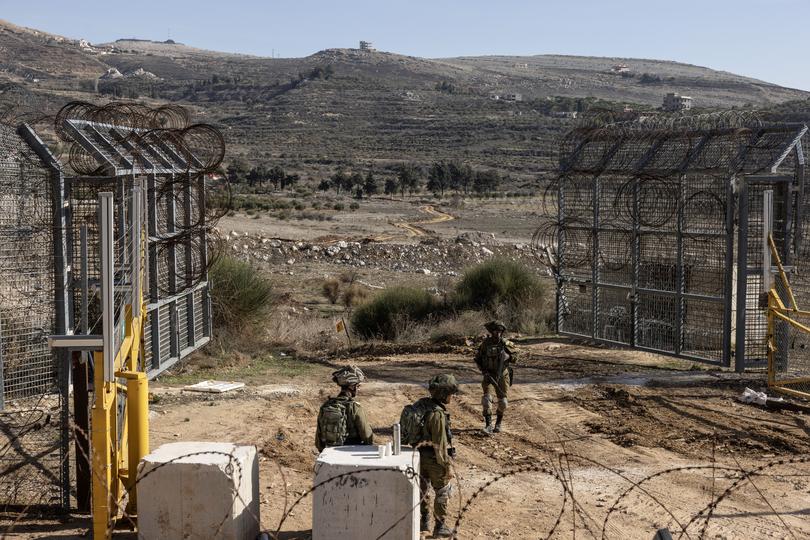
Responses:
[367,46]
[512,97]
[675,102]
[620,68]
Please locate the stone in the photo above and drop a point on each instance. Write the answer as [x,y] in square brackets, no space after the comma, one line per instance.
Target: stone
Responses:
[486,251]
[197,489]
[361,504]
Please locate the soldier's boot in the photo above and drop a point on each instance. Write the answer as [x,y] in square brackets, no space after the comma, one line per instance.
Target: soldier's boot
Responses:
[424,524]
[488,423]
[442,530]
[498,420]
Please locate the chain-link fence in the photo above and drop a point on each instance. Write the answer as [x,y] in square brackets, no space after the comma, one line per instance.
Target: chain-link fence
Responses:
[658,234]
[33,427]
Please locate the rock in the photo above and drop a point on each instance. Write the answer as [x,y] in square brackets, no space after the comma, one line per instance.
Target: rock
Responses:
[290,261]
[521,247]
[425,271]
[486,251]
[314,249]
[332,250]
[342,244]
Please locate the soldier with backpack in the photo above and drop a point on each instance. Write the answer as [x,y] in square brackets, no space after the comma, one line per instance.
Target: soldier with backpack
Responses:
[495,358]
[426,425]
[341,420]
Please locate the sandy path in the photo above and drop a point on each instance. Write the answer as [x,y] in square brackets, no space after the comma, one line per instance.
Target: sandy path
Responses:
[414,228]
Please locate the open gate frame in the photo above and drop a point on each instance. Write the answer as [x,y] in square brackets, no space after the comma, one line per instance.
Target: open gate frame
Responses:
[50,281]
[659,234]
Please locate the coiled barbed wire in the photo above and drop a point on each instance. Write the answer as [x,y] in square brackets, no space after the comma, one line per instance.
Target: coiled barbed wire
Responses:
[160,136]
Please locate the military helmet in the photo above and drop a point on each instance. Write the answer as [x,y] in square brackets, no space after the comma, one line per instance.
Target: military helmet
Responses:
[348,376]
[495,325]
[443,384]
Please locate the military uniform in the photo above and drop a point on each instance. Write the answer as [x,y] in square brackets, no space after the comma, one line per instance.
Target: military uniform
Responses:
[494,359]
[357,426]
[341,420]
[434,459]
[435,443]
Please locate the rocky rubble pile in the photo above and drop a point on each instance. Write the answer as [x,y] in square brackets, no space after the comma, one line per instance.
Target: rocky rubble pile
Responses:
[431,255]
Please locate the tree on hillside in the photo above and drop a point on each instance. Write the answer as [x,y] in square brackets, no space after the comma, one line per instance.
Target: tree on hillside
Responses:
[438,177]
[486,181]
[276,176]
[289,180]
[257,175]
[370,186]
[325,185]
[236,171]
[340,180]
[461,177]
[391,186]
[408,176]
[356,181]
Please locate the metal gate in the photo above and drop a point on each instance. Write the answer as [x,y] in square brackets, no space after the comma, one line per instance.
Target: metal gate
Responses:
[648,219]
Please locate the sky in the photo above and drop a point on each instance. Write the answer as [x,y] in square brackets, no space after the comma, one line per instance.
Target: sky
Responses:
[764,39]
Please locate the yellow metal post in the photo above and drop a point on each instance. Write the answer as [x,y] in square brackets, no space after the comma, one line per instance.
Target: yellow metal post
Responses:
[138,430]
[105,485]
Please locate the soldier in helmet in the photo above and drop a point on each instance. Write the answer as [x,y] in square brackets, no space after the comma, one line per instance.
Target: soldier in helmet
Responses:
[341,420]
[495,358]
[435,444]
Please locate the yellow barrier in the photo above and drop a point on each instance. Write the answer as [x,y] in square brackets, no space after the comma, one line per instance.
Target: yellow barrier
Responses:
[118,444]
[787,374]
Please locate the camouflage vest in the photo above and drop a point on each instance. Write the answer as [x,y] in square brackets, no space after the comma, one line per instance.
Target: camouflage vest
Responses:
[493,350]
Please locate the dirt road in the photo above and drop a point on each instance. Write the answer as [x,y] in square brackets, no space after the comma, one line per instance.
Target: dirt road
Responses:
[596,444]
[414,228]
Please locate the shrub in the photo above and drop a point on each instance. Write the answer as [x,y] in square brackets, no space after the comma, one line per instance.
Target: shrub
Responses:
[353,295]
[338,207]
[505,289]
[354,206]
[391,310]
[331,290]
[240,294]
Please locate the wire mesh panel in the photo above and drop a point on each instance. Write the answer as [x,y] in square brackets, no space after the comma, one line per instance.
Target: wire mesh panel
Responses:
[165,163]
[32,424]
[645,232]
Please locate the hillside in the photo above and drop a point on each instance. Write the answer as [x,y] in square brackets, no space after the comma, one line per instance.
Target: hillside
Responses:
[357,108]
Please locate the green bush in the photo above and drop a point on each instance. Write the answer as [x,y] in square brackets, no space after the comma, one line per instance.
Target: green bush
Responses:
[385,315]
[338,206]
[240,293]
[505,289]
[354,206]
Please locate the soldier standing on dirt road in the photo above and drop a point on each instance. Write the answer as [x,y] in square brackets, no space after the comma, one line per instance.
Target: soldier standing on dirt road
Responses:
[435,442]
[495,358]
[341,420]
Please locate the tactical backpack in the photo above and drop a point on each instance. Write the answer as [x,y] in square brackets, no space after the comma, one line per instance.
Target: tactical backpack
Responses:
[412,421]
[332,422]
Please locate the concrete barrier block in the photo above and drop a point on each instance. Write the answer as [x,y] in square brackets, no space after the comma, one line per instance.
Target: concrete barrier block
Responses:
[356,503]
[199,490]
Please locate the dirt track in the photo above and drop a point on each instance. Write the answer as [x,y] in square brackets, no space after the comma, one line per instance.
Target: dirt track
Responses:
[595,420]
[414,228]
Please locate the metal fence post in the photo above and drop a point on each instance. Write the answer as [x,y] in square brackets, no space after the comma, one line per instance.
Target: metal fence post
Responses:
[742,277]
[107,226]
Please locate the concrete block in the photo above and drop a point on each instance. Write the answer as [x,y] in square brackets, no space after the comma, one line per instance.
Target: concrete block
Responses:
[189,490]
[365,503]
